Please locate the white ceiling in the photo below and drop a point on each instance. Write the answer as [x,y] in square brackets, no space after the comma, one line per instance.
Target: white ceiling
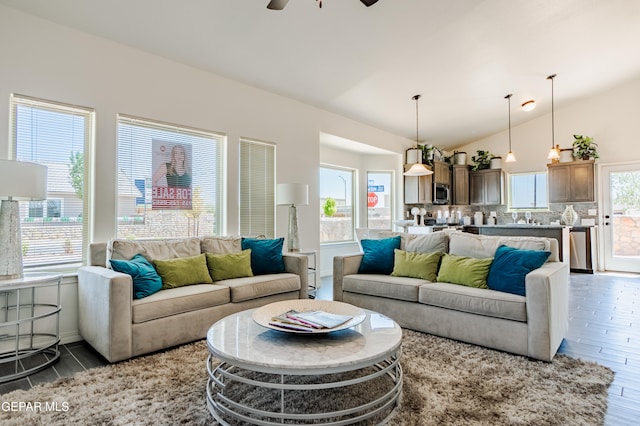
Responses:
[463,56]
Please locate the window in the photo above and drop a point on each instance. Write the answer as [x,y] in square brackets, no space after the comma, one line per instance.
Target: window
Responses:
[528,191]
[379,200]
[336,204]
[169,180]
[59,136]
[257,183]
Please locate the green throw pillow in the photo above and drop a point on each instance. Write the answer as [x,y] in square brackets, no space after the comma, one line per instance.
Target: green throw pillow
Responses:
[183,271]
[416,265]
[464,270]
[227,266]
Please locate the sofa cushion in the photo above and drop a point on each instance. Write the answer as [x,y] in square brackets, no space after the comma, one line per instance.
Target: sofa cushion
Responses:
[248,288]
[221,245]
[146,280]
[266,255]
[227,266]
[166,303]
[484,246]
[510,267]
[404,237]
[416,265]
[401,288]
[183,271]
[378,255]
[464,270]
[428,243]
[474,300]
[152,249]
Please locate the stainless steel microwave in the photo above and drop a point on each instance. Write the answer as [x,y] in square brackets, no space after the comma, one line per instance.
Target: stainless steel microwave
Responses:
[440,193]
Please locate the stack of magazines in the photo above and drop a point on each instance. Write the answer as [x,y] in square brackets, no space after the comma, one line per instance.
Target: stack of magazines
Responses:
[308,321]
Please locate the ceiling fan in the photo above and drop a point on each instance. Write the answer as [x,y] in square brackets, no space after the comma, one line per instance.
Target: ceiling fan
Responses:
[280,4]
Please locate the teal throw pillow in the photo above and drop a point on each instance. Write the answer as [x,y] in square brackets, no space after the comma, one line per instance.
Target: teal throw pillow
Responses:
[266,255]
[464,270]
[416,265]
[228,266]
[378,255]
[510,267]
[146,280]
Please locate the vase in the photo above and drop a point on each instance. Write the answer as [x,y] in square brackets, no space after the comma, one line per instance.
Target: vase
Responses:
[569,216]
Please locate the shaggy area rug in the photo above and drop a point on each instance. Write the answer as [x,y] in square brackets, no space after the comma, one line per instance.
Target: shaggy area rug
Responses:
[445,383]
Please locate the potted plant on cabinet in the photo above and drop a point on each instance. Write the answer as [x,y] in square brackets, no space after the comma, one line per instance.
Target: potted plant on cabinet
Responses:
[584,147]
[482,160]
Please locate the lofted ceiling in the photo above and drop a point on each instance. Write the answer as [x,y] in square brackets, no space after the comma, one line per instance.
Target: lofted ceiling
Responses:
[366,63]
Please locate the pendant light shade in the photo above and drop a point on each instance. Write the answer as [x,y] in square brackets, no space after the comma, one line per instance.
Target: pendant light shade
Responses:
[510,157]
[417,169]
[554,152]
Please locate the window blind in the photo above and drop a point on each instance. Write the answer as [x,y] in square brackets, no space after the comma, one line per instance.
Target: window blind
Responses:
[169,179]
[257,188]
[60,136]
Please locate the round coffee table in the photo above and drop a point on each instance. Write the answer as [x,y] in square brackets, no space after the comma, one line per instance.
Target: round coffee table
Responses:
[270,377]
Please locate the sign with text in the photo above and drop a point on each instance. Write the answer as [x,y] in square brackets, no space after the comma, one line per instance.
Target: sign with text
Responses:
[171,187]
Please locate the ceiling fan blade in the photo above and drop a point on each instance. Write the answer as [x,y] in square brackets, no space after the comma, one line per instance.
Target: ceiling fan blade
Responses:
[368,2]
[277,4]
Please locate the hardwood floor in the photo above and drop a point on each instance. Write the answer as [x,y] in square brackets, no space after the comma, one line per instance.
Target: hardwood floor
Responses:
[604,327]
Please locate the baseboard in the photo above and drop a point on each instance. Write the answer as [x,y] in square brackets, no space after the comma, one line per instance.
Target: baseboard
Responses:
[69,337]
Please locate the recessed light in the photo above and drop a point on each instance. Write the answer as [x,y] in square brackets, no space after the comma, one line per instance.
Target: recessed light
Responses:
[529,105]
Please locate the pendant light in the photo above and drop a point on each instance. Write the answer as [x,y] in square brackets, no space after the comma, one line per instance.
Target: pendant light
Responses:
[510,157]
[418,169]
[554,152]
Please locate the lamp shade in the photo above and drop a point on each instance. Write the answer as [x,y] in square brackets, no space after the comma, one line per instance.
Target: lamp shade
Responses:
[418,169]
[292,194]
[22,181]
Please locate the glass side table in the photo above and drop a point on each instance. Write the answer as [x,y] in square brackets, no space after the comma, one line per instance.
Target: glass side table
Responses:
[29,324]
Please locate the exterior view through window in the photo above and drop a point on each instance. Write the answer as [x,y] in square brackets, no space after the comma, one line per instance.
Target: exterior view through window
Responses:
[336,204]
[528,191]
[379,196]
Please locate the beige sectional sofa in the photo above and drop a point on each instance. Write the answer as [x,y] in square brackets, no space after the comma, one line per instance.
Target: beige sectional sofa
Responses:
[120,327]
[532,325]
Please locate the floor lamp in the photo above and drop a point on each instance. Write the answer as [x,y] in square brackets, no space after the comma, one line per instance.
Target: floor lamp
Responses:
[19,181]
[292,195]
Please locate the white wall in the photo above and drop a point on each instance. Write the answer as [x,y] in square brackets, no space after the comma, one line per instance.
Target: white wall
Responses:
[49,61]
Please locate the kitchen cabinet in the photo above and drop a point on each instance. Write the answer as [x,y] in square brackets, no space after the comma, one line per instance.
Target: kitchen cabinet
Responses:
[460,177]
[441,172]
[486,187]
[572,182]
[417,189]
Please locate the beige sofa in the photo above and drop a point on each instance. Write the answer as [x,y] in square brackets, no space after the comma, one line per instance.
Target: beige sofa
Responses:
[532,325]
[120,327]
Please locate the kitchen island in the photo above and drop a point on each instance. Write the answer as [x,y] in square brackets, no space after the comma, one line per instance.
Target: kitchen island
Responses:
[559,232]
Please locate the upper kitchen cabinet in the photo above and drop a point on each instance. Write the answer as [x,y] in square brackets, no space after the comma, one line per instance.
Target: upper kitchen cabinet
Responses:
[460,177]
[486,187]
[572,182]
[441,172]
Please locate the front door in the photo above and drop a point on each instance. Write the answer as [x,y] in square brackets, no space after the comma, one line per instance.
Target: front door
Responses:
[621,217]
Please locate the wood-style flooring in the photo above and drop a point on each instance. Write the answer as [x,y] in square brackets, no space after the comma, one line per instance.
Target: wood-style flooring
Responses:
[604,327]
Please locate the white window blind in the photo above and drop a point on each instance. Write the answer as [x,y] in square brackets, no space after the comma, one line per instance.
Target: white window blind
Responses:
[60,136]
[257,188]
[169,180]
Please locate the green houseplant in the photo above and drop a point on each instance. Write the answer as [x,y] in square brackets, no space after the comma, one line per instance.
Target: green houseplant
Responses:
[584,147]
[482,160]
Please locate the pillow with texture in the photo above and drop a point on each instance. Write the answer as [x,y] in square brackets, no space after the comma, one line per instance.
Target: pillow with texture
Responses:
[429,243]
[228,266]
[510,267]
[183,271]
[416,265]
[266,255]
[378,255]
[146,280]
[464,270]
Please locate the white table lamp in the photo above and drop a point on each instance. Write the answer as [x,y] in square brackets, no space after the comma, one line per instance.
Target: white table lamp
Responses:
[19,181]
[292,195]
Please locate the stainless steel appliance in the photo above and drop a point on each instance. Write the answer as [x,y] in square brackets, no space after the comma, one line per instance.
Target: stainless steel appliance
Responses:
[441,193]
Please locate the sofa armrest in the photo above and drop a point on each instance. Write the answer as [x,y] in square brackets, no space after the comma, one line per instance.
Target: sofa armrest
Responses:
[105,311]
[343,265]
[547,293]
[298,264]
